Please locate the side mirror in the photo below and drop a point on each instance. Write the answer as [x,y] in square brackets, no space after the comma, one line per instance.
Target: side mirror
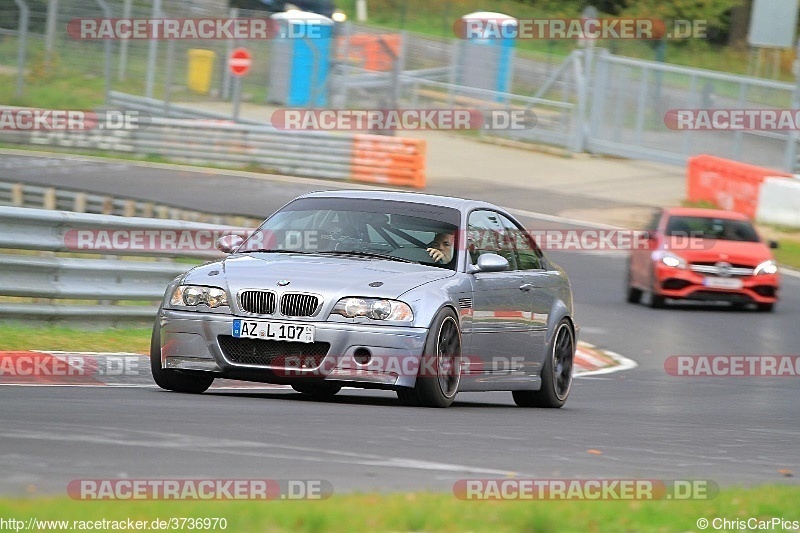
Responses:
[774,245]
[228,243]
[491,263]
[648,235]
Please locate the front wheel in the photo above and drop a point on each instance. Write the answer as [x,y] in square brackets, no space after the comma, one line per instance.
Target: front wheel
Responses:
[632,294]
[440,366]
[556,372]
[170,379]
[765,308]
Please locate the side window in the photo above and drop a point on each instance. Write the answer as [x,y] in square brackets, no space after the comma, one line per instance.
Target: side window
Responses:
[486,234]
[528,257]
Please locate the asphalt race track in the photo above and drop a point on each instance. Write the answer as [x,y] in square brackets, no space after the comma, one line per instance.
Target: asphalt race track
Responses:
[640,423]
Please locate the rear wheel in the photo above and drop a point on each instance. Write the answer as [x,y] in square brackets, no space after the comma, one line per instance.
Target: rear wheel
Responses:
[170,379]
[320,390]
[440,367]
[556,372]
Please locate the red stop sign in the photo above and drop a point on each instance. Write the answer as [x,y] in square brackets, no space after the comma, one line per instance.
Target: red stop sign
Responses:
[239,62]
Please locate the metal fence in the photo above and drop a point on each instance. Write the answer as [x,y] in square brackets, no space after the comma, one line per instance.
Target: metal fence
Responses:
[591,100]
[629,98]
[125,283]
[35,196]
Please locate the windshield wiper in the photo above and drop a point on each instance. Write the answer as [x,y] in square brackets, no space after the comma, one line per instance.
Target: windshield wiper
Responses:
[369,254]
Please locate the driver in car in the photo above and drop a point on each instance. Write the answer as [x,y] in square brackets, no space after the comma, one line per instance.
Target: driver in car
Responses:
[441,248]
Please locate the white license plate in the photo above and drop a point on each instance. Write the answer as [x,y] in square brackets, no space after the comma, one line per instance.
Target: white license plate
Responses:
[275,331]
[722,283]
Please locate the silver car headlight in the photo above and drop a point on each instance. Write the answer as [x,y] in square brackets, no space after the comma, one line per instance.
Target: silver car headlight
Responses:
[767,267]
[339,16]
[195,295]
[374,308]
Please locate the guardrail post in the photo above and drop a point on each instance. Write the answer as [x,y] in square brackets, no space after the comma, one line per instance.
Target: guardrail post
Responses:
[17,195]
[49,199]
[79,205]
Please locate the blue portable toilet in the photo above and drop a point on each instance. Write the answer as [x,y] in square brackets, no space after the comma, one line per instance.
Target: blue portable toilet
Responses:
[300,59]
[486,59]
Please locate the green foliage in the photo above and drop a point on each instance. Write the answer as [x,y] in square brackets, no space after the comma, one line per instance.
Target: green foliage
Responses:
[712,11]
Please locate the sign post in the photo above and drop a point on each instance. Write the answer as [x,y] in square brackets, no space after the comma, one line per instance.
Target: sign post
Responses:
[239,64]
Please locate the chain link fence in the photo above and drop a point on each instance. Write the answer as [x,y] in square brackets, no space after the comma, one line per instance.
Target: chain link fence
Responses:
[589,100]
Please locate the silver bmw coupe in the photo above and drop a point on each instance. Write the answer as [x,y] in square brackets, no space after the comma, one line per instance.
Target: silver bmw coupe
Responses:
[425,295]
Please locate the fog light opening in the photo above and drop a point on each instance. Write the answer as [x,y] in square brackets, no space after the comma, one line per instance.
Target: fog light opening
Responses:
[362,356]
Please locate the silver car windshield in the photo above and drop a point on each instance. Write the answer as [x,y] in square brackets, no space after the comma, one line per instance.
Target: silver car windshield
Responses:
[363,229]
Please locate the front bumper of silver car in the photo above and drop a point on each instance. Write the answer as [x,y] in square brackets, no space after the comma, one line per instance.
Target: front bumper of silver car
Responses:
[361,355]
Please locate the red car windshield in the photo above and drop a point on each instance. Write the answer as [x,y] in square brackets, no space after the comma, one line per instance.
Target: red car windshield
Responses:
[711,228]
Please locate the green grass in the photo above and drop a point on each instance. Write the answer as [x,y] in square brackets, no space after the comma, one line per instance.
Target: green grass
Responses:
[430,512]
[788,253]
[15,336]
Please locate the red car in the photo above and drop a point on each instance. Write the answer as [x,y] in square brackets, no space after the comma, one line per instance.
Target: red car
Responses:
[703,254]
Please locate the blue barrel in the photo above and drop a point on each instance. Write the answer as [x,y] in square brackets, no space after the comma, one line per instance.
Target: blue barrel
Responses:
[300,59]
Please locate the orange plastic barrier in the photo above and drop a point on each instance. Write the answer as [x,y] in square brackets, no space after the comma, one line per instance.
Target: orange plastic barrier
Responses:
[370,50]
[388,160]
[727,184]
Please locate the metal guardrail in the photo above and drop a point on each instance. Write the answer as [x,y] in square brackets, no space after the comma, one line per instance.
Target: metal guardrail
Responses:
[315,154]
[108,281]
[35,196]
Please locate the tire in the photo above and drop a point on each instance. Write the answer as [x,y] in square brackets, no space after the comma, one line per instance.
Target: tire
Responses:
[656,300]
[765,308]
[440,367]
[557,372]
[170,379]
[319,390]
[408,397]
[632,294]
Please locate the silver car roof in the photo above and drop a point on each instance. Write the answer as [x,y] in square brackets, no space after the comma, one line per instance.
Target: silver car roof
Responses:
[400,196]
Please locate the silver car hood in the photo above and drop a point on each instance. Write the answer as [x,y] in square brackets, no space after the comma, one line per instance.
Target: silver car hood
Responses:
[331,277]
